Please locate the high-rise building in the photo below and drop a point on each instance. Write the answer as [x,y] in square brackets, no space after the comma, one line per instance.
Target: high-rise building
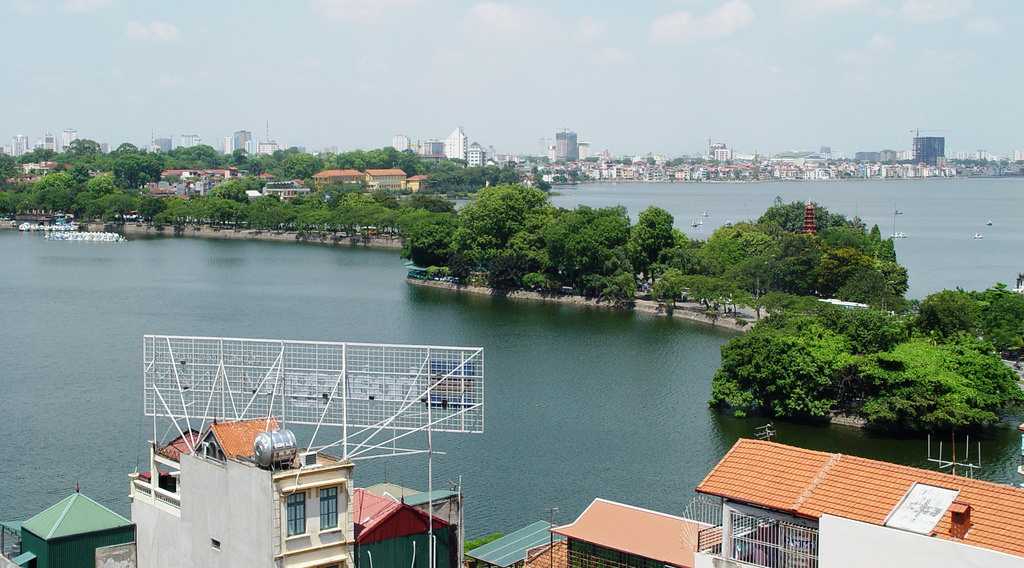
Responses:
[719,152]
[400,142]
[868,156]
[19,145]
[227,145]
[888,156]
[67,137]
[929,149]
[266,147]
[476,156]
[162,144]
[1018,155]
[49,142]
[584,150]
[825,151]
[432,149]
[240,140]
[566,147]
[189,140]
[456,145]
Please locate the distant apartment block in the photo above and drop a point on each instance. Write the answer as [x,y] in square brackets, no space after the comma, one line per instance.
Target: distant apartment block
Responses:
[189,140]
[566,146]
[49,142]
[240,140]
[867,156]
[400,142]
[285,190]
[719,152]
[456,145]
[476,156]
[267,147]
[432,149]
[162,144]
[67,137]
[929,149]
[19,145]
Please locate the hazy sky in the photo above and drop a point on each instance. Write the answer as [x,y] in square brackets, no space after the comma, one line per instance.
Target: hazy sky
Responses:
[630,76]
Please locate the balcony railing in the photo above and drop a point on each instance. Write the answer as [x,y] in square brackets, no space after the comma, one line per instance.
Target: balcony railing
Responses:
[709,540]
[772,543]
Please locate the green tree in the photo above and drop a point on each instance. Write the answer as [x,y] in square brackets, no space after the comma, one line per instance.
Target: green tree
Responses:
[430,243]
[948,313]
[651,235]
[1001,317]
[668,288]
[131,170]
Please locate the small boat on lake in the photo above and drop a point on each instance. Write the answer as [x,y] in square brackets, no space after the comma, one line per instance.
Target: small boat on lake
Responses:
[978,236]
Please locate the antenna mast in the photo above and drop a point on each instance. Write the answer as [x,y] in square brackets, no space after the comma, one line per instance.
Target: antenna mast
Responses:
[952,464]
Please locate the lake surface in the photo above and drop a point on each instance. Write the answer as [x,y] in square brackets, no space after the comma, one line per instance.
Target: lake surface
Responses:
[940,218]
[581,403]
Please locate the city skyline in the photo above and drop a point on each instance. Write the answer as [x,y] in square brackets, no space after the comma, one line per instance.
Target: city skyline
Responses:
[878,70]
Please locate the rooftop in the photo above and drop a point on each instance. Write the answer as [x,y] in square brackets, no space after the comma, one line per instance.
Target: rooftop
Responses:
[73,515]
[512,547]
[338,173]
[370,511]
[636,531]
[386,172]
[236,438]
[809,484]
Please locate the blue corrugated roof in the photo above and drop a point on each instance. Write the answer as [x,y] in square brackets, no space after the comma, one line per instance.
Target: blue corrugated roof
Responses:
[512,547]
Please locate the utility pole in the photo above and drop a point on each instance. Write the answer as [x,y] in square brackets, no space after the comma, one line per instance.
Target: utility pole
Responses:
[551,536]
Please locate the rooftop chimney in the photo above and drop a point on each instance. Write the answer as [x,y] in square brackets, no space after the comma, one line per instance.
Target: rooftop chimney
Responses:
[960,519]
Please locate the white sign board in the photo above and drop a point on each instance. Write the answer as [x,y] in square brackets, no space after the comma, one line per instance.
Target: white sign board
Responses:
[921,508]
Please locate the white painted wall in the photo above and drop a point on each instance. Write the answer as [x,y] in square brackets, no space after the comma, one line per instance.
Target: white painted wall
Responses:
[850,544]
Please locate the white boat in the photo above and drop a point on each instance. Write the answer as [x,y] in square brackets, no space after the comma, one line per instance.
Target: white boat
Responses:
[978,236]
[705,214]
[899,235]
[90,237]
[989,223]
[25,227]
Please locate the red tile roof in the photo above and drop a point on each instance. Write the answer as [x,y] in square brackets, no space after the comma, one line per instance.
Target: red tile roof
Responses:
[629,529]
[810,484]
[386,172]
[236,438]
[179,445]
[377,518]
[419,177]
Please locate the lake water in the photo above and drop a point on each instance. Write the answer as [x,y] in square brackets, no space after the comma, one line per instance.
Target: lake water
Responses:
[940,218]
[581,403]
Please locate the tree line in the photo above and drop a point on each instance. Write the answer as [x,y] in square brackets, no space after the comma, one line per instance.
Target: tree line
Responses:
[511,237]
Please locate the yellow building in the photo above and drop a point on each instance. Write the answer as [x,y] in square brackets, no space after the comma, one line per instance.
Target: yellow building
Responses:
[391,179]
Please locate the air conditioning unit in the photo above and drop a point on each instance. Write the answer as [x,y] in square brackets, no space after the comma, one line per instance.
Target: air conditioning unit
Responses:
[307,459]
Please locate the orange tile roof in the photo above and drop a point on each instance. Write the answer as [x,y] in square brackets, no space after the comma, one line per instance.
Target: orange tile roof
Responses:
[629,529]
[180,445]
[419,177]
[236,438]
[556,557]
[338,173]
[810,484]
[386,172]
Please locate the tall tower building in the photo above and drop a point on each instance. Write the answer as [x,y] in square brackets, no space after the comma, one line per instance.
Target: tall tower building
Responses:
[49,142]
[929,149]
[19,145]
[566,147]
[67,137]
[228,145]
[456,145]
[189,140]
[240,140]
[400,142]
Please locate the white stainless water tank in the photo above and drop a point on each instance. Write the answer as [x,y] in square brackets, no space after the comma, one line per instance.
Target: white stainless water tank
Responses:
[275,447]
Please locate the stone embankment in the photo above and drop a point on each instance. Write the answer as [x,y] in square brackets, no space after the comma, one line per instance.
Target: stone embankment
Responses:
[688,311]
[208,232]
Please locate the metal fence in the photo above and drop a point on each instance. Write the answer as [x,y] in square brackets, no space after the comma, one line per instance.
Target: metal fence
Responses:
[706,509]
[772,543]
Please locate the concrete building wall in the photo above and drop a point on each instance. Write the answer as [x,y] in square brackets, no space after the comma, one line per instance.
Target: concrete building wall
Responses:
[850,544]
[230,502]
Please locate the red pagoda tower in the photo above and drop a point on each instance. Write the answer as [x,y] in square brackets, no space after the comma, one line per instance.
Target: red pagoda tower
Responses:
[810,227]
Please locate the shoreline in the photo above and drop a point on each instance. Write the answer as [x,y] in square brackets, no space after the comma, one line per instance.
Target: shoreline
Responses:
[646,307]
[216,233]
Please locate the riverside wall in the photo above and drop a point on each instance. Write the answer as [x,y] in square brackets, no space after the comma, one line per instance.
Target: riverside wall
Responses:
[208,232]
[689,312]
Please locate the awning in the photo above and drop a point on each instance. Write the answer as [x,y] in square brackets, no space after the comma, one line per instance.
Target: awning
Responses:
[24,558]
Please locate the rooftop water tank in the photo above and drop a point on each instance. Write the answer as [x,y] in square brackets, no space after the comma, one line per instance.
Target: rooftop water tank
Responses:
[272,448]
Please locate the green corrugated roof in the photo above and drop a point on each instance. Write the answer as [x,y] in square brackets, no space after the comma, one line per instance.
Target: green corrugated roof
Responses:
[421,498]
[24,558]
[512,548]
[75,514]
